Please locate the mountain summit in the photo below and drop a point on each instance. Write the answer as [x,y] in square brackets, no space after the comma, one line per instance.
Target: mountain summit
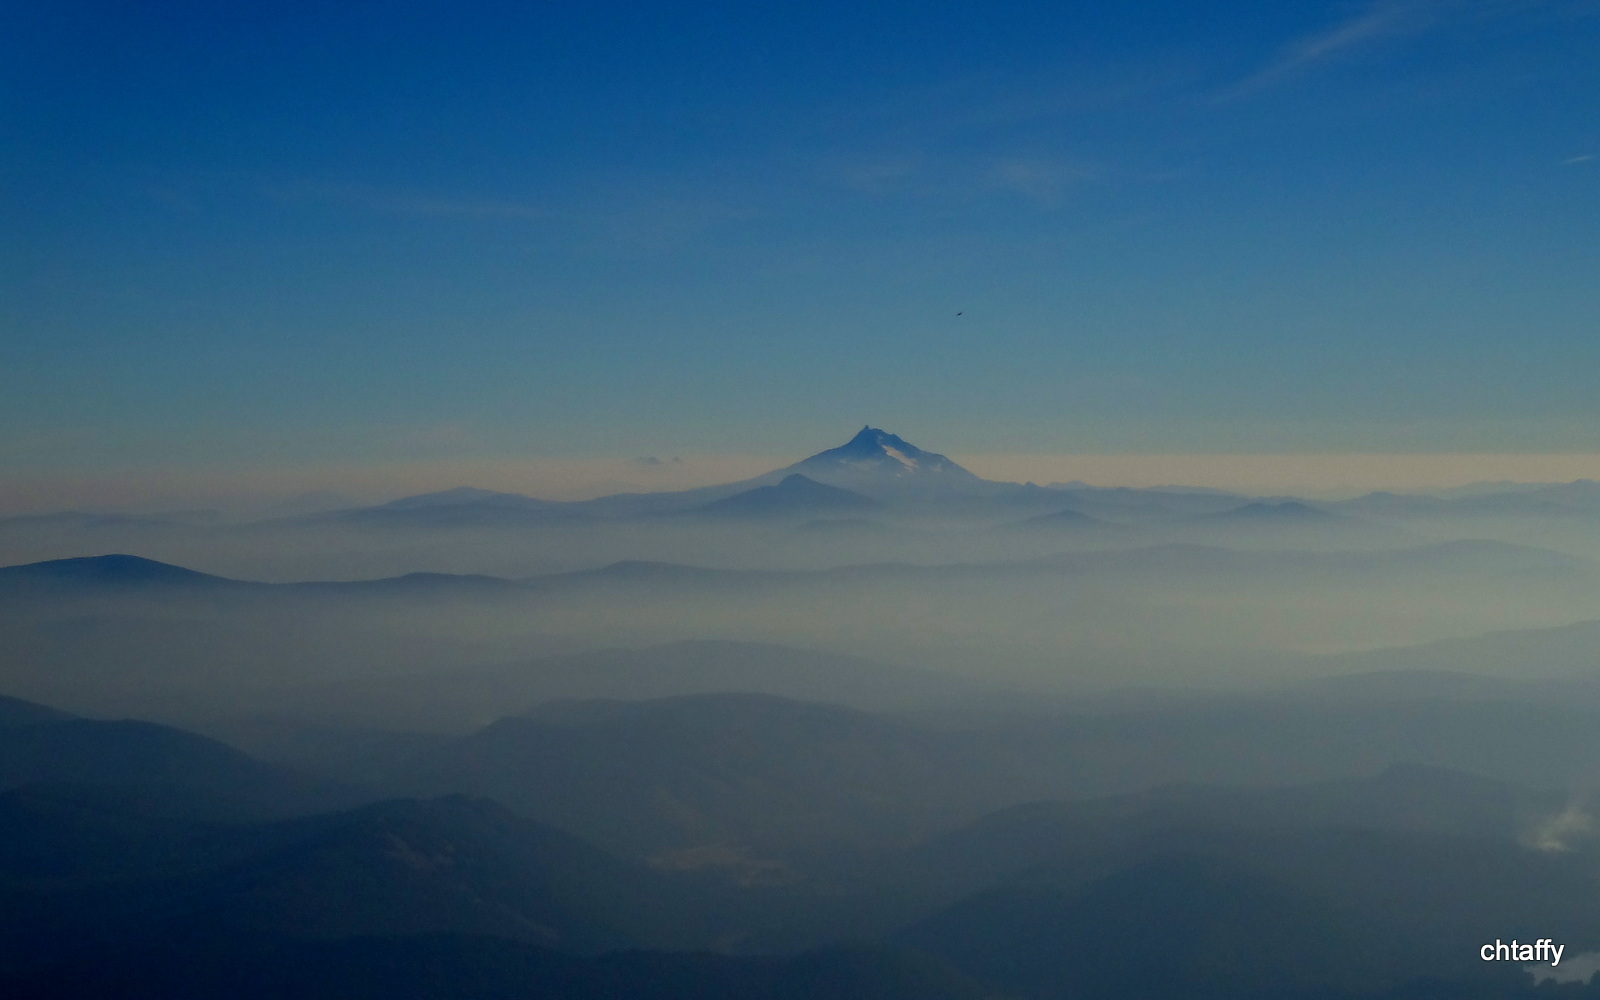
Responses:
[875,464]
[876,456]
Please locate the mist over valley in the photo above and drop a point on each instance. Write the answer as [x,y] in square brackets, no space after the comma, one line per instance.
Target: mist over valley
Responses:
[868,702]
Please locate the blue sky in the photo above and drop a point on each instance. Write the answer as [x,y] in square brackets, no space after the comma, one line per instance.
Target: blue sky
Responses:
[287,235]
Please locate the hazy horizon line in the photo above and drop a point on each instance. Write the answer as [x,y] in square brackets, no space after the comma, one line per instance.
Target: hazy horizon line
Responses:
[1325,475]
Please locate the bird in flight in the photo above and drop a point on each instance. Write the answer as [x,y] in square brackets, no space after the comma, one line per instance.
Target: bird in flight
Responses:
[958,314]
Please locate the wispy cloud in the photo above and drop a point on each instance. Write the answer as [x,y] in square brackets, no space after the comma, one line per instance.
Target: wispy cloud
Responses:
[1562,831]
[399,202]
[651,222]
[1375,25]
[1573,161]
[878,176]
[1043,180]
[627,215]
[1378,23]
[1381,22]
[466,208]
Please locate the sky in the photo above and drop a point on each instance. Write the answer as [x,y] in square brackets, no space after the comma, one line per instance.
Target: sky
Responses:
[320,241]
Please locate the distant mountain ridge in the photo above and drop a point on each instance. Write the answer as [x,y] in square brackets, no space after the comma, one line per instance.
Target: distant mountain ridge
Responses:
[884,466]
[1283,510]
[90,572]
[17,712]
[795,494]
[1580,498]
[160,764]
[874,462]
[465,495]
[460,699]
[108,570]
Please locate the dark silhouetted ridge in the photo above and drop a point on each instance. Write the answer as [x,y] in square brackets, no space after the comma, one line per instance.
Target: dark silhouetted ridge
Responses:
[795,494]
[16,712]
[107,570]
[1287,510]
[463,495]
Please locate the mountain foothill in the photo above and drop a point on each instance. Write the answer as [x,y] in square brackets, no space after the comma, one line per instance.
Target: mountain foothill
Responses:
[866,726]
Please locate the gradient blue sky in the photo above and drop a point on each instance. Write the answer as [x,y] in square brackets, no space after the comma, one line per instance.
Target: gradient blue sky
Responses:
[309,234]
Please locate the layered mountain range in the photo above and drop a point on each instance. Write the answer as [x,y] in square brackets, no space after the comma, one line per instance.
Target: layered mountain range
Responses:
[867,725]
[736,846]
[884,467]
[872,467]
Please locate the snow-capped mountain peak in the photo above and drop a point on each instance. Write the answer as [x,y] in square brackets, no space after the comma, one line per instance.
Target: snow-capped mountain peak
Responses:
[878,456]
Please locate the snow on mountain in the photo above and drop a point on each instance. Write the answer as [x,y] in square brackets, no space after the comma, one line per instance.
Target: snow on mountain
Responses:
[876,456]
[879,465]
